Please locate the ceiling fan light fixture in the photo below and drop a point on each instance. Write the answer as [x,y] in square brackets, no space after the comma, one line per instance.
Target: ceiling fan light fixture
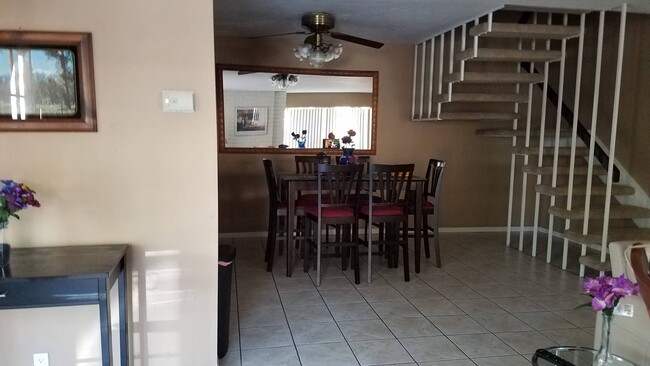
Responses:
[318,55]
[302,50]
[283,81]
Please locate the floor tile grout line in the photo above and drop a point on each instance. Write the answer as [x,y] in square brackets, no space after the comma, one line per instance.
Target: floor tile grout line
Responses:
[332,315]
[241,356]
[284,312]
[567,292]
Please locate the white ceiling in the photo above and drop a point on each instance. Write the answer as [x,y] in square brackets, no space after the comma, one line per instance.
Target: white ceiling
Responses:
[399,21]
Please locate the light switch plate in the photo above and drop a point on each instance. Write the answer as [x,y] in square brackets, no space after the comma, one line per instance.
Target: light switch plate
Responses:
[178,101]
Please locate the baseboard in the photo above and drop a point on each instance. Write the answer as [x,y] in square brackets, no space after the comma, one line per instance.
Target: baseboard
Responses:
[475,229]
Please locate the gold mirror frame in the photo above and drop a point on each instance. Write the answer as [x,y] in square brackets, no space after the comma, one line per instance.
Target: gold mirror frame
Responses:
[269,69]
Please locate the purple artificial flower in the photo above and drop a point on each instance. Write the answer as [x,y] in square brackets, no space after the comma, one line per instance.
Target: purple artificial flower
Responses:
[621,286]
[591,284]
[598,304]
[606,291]
[13,198]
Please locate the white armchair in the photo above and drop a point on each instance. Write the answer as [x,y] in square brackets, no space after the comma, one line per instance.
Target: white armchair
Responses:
[630,336]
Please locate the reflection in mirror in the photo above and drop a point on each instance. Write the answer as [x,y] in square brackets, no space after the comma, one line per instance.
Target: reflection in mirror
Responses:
[282,110]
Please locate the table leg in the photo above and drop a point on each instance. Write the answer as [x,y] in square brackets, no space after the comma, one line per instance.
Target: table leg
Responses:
[105,323]
[124,323]
[291,208]
[418,224]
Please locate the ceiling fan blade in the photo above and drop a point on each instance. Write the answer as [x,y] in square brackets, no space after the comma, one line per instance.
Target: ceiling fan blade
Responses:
[358,40]
[278,35]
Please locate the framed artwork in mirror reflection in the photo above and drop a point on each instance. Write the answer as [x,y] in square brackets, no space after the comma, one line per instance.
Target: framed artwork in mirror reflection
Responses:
[251,120]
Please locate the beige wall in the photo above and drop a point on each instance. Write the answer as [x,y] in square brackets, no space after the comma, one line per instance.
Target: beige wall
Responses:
[633,138]
[146,178]
[475,188]
[329,99]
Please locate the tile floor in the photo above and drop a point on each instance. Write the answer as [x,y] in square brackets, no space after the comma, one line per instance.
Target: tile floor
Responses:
[487,305]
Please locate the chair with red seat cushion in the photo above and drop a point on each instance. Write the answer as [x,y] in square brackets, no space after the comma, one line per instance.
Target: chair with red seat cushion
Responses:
[388,187]
[430,206]
[336,185]
[277,216]
[308,164]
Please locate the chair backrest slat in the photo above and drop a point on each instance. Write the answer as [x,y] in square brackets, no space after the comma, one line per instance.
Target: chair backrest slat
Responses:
[435,169]
[391,182]
[271,182]
[307,164]
[338,183]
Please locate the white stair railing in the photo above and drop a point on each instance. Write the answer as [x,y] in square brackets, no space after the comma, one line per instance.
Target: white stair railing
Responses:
[434,61]
[574,132]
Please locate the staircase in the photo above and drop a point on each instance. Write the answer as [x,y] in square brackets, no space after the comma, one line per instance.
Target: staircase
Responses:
[508,66]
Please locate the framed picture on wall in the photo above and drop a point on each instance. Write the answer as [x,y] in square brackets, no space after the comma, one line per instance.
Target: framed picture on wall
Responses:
[251,120]
[46,82]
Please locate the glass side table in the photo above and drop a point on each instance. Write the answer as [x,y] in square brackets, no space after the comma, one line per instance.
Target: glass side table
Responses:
[572,356]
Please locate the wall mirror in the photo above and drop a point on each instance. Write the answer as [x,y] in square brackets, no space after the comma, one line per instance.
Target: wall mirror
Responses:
[264,109]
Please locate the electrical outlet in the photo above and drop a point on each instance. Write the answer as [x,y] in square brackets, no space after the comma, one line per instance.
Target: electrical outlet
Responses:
[41,359]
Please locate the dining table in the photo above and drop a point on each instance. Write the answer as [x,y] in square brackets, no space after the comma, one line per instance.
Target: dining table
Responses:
[291,183]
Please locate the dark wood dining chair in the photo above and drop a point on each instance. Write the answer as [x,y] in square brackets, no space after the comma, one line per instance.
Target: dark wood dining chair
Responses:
[430,207]
[308,164]
[277,216]
[387,206]
[336,185]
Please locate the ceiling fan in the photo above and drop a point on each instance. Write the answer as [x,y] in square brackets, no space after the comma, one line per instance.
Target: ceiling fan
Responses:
[315,49]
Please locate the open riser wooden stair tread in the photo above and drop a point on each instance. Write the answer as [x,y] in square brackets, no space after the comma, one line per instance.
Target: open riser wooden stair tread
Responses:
[617,190]
[508,55]
[508,132]
[527,31]
[562,170]
[593,261]
[493,78]
[482,97]
[534,150]
[613,234]
[474,116]
[615,212]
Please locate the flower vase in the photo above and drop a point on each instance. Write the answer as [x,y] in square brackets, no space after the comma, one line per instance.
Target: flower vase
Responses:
[4,249]
[301,144]
[604,355]
[348,157]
